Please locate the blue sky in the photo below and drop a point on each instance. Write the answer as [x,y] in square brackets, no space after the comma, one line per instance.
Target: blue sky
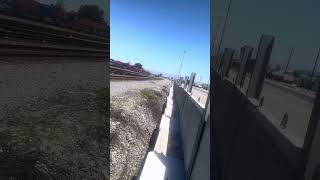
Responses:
[156,33]
[294,23]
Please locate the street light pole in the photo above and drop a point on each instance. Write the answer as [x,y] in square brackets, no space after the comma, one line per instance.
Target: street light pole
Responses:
[289,59]
[315,64]
[216,34]
[223,30]
[181,64]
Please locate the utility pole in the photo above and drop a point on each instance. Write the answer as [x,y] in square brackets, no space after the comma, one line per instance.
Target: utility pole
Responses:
[289,59]
[216,34]
[181,64]
[223,29]
[315,65]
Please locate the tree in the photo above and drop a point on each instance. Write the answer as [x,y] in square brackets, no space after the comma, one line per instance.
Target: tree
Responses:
[138,65]
[91,12]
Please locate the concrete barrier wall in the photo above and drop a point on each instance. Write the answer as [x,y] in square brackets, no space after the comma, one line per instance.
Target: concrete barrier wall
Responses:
[245,143]
[201,167]
[191,126]
[180,96]
[225,120]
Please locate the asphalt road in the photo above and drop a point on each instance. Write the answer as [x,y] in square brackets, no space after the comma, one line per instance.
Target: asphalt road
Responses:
[278,102]
[200,95]
[280,99]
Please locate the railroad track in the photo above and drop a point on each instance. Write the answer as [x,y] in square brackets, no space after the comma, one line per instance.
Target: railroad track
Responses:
[117,73]
[22,38]
[121,71]
[23,25]
[16,48]
[128,77]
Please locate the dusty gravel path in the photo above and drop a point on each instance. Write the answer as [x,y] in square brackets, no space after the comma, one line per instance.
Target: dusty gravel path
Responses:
[21,82]
[119,88]
[57,119]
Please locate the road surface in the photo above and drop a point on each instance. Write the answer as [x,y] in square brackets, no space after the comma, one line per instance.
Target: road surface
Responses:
[200,95]
[279,99]
[278,102]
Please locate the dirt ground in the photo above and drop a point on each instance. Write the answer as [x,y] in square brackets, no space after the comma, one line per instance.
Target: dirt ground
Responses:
[135,117]
[119,88]
[54,120]
[22,80]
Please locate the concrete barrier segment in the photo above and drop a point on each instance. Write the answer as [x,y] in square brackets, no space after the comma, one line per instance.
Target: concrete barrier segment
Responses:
[167,126]
[169,100]
[168,112]
[201,166]
[159,167]
[191,124]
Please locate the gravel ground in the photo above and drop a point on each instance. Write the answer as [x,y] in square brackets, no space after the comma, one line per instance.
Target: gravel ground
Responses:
[20,82]
[119,88]
[135,115]
[54,120]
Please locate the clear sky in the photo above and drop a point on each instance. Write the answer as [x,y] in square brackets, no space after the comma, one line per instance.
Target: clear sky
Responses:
[155,33]
[294,23]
